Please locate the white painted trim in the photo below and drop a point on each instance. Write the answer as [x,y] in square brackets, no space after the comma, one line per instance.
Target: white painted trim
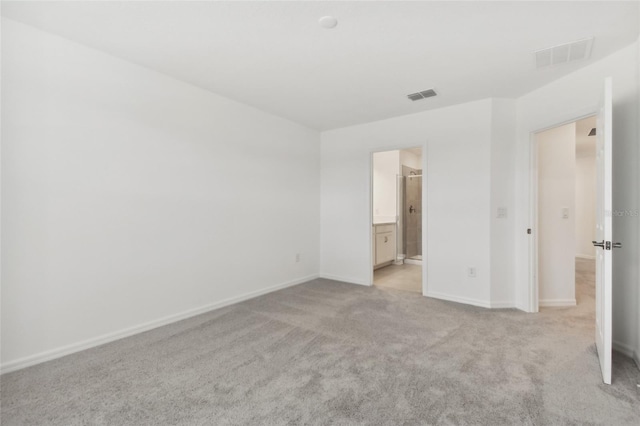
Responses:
[426,172]
[458,299]
[51,354]
[533,292]
[636,358]
[413,262]
[345,279]
[503,304]
[557,302]
[585,256]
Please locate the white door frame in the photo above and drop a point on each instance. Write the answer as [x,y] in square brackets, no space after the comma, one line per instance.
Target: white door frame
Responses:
[534,289]
[425,251]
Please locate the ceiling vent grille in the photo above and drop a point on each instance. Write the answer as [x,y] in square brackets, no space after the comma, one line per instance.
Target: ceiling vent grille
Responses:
[422,95]
[592,132]
[564,53]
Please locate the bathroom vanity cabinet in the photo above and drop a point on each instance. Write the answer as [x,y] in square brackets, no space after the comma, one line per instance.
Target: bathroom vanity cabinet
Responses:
[384,244]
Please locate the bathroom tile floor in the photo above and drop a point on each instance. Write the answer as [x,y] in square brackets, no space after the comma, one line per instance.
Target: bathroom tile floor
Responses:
[399,277]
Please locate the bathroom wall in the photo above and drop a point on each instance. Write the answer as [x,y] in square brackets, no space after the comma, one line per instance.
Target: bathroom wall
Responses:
[385,171]
[410,158]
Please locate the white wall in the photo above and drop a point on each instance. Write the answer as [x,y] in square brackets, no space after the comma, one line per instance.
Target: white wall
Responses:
[130,197]
[503,126]
[585,202]
[386,167]
[556,234]
[566,99]
[456,164]
[163,169]
[409,159]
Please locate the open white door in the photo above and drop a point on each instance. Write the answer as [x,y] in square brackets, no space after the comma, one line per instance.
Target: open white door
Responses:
[604,231]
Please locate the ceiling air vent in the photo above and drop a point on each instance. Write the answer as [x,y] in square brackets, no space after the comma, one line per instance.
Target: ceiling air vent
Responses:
[422,95]
[564,53]
[592,132]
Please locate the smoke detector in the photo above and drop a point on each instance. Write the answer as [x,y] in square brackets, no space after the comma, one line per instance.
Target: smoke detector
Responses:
[422,95]
[564,53]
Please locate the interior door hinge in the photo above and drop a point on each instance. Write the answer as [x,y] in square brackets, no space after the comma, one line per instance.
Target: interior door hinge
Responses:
[608,245]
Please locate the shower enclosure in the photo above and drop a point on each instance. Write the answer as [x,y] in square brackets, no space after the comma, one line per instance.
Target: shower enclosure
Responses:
[410,215]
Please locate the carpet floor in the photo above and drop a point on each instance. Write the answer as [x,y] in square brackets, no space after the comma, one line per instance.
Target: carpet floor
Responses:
[326,352]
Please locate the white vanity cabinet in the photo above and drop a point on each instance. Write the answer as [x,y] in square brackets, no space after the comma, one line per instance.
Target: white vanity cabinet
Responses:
[384,244]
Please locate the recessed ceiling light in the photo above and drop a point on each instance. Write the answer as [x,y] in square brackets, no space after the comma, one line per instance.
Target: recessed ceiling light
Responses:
[328,22]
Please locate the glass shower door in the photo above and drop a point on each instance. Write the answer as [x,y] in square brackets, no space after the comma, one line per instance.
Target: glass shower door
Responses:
[412,216]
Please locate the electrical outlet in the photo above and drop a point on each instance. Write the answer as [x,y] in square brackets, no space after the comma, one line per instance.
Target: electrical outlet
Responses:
[297,257]
[471,271]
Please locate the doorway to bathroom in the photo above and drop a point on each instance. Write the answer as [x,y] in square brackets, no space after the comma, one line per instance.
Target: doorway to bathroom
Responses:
[397,219]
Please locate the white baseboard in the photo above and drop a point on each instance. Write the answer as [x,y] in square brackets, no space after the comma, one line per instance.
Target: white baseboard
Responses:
[130,331]
[347,280]
[556,302]
[457,299]
[585,256]
[413,262]
[502,305]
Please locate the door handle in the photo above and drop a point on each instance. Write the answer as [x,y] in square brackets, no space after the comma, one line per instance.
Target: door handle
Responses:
[606,245]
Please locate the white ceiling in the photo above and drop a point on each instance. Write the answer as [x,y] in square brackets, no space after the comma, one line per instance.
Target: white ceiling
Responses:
[275,56]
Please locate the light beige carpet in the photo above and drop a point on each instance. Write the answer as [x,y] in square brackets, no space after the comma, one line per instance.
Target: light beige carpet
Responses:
[331,353]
